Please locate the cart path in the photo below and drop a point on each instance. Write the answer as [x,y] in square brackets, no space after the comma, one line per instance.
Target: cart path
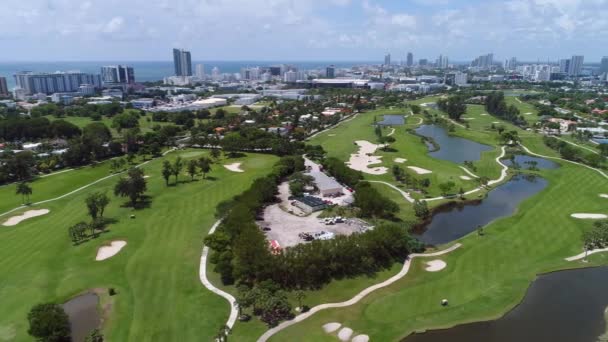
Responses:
[203,276]
[406,267]
[566,160]
[405,194]
[586,253]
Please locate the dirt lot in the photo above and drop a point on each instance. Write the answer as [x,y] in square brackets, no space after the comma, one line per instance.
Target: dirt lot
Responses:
[285,227]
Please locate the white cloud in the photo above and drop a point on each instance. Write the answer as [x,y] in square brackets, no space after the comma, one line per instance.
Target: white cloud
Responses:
[114,25]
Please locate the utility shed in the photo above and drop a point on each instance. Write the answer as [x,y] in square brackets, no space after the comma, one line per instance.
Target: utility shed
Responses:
[309,204]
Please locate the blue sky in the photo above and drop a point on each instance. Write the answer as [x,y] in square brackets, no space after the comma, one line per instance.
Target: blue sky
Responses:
[42,30]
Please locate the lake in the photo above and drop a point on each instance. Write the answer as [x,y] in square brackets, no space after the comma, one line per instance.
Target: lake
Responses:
[460,219]
[565,306]
[524,162]
[454,149]
[83,314]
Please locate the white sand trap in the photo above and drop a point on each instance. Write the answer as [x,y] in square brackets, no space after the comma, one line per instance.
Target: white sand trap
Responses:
[484,114]
[528,113]
[468,118]
[331,135]
[331,327]
[106,252]
[465,178]
[435,265]
[360,338]
[496,122]
[604,195]
[419,170]
[590,216]
[146,176]
[363,159]
[400,160]
[234,167]
[26,215]
[345,333]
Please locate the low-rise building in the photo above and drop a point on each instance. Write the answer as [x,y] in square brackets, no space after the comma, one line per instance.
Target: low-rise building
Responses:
[309,204]
[327,186]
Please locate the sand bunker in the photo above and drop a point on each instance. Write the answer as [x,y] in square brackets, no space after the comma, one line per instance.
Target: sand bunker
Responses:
[468,118]
[400,160]
[234,167]
[360,338]
[419,170]
[331,327]
[345,334]
[485,114]
[106,252]
[495,122]
[331,135]
[604,195]
[26,215]
[435,265]
[590,216]
[465,178]
[528,114]
[361,160]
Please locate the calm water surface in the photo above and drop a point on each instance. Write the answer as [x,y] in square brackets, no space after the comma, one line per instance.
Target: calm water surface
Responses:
[83,315]
[454,149]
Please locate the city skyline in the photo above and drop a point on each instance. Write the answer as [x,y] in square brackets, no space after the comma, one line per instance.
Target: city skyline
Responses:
[304,30]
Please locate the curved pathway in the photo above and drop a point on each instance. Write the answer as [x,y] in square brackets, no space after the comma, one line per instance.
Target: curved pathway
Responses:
[79,189]
[391,133]
[566,160]
[469,172]
[332,127]
[585,254]
[358,297]
[405,194]
[203,276]
[579,146]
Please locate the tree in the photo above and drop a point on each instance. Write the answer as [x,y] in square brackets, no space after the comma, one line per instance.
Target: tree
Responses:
[192,169]
[446,187]
[167,171]
[96,204]
[205,165]
[215,153]
[300,295]
[461,193]
[49,323]
[78,232]
[421,209]
[25,191]
[178,165]
[94,336]
[132,186]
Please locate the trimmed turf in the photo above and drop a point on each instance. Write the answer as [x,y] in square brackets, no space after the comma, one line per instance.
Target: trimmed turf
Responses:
[160,296]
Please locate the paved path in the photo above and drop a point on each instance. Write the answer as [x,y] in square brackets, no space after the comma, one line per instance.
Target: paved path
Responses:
[358,297]
[566,160]
[391,133]
[79,189]
[203,276]
[405,194]
[518,100]
[468,172]
[577,145]
[584,254]
[332,127]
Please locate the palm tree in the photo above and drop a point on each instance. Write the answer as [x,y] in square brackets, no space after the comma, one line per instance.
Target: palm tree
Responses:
[300,295]
[25,191]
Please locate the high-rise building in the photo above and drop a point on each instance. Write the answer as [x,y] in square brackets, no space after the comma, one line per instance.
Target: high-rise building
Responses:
[510,64]
[3,86]
[442,62]
[182,62]
[117,74]
[604,65]
[387,59]
[576,65]
[423,62]
[564,66]
[59,82]
[410,59]
[200,71]
[330,71]
[483,62]
[215,73]
[456,78]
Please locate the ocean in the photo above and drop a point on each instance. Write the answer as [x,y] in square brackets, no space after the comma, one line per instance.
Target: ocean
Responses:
[155,71]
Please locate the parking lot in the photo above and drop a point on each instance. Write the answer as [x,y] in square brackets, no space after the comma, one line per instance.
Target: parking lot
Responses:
[286,228]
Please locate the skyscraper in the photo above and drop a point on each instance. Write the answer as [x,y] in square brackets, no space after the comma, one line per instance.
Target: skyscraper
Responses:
[564,66]
[3,86]
[58,82]
[576,65]
[117,74]
[387,59]
[604,65]
[330,71]
[442,62]
[410,59]
[200,71]
[483,62]
[182,62]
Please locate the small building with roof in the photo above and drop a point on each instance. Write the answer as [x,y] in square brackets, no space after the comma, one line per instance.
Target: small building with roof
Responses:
[327,186]
[309,204]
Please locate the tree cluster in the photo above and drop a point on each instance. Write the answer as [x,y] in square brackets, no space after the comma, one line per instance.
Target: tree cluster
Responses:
[454,106]
[496,105]
[570,152]
[341,172]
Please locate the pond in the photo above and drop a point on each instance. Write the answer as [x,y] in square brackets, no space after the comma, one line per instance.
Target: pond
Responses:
[83,315]
[458,220]
[525,162]
[601,141]
[392,120]
[559,307]
[454,149]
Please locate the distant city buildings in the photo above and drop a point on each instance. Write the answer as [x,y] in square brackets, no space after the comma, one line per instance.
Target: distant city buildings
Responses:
[604,65]
[510,64]
[484,62]
[182,62]
[410,59]
[200,71]
[59,82]
[576,65]
[442,62]
[117,74]
[330,71]
[3,87]
[456,78]
[387,59]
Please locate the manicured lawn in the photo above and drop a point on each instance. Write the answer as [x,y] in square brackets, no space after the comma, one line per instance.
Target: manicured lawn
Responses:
[487,276]
[160,296]
[145,122]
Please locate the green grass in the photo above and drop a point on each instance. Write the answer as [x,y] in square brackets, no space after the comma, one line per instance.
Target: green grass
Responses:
[160,296]
[145,122]
[487,276]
